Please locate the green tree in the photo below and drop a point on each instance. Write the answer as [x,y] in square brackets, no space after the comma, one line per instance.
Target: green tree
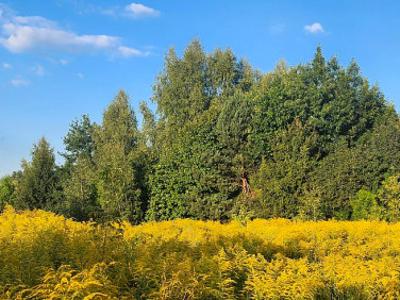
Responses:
[117,162]
[202,105]
[78,179]
[149,126]
[347,169]
[280,181]
[310,203]
[181,90]
[37,186]
[79,140]
[365,206]
[338,178]
[338,103]
[7,190]
[192,178]
[389,196]
[80,191]
[306,141]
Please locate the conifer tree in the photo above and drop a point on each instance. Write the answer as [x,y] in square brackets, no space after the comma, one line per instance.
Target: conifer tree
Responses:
[79,140]
[79,185]
[38,183]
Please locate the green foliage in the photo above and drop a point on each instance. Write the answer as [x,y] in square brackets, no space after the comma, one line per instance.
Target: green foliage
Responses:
[79,140]
[7,191]
[116,159]
[364,206]
[205,118]
[310,206]
[307,141]
[149,130]
[348,169]
[37,186]
[280,180]
[181,90]
[80,191]
[389,195]
[191,179]
[336,102]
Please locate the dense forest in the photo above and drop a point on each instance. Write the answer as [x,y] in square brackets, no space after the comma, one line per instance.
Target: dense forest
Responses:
[312,141]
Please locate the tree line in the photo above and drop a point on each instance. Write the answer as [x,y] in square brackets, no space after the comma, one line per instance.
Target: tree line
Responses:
[312,141]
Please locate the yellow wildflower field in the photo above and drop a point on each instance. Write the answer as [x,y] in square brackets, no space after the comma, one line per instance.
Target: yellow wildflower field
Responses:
[45,256]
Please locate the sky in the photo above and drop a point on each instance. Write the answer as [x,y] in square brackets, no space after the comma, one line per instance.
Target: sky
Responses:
[60,59]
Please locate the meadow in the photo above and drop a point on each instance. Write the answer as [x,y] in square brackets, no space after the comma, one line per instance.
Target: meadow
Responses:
[46,256]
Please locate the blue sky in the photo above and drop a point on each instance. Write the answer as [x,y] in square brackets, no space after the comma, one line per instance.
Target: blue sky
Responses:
[62,58]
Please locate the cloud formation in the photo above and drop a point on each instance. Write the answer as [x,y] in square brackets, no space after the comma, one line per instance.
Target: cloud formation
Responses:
[38,70]
[21,34]
[129,52]
[314,28]
[6,66]
[139,10]
[63,62]
[19,82]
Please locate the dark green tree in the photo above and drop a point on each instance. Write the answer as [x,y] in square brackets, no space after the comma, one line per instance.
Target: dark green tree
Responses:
[78,180]
[202,104]
[79,140]
[280,181]
[38,184]
[80,192]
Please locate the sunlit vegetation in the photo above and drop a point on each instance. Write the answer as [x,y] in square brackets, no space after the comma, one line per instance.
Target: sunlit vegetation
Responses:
[240,185]
[45,256]
[314,141]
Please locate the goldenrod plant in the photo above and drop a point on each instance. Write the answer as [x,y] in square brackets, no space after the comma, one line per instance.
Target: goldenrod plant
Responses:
[46,256]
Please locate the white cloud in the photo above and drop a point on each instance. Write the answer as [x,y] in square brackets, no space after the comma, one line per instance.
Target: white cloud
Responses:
[139,10]
[63,62]
[276,29]
[34,21]
[6,66]
[38,70]
[112,11]
[80,75]
[22,38]
[19,82]
[128,52]
[314,28]
[34,33]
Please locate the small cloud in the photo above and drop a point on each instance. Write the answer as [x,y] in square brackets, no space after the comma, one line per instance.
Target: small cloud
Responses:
[277,28]
[139,10]
[19,82]
[80,75]
[38,70]
[6,66]
[113,11]
[63,62]
[129,52]
[314,28]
